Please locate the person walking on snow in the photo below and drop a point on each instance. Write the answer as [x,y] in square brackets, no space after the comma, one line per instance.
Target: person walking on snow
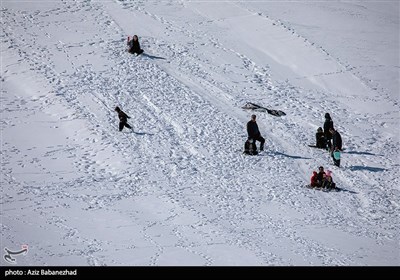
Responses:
[134,45]
[254,133]
[123,119]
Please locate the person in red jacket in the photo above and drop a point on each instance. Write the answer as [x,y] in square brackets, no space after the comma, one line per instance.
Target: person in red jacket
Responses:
[123,119]
[314,180]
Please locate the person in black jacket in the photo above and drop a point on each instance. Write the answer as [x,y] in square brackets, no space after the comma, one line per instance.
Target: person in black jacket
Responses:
[320,176]
[254,133]
[134,45]
[336,139]
[328,124]
[123,118]
[336,146]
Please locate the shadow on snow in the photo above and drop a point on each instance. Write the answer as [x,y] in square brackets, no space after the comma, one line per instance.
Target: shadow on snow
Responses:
[344,190]
[360,153]
[152,56]
[142,133]
[368,168]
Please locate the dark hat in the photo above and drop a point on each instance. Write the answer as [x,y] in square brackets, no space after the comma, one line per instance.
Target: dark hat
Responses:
[253,116]
[327,116]
[117,109]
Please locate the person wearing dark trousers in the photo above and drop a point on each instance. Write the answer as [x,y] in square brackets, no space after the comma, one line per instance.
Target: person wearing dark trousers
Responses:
[328,124]
[123,119]
[254,133]
[134,45]
[320,139]
[336,146]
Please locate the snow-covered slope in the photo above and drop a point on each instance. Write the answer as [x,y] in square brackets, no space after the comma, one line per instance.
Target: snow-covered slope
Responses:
[177,190]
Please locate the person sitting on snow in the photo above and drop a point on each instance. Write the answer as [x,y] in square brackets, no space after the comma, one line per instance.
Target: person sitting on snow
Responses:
[328,183]
[320,176]
[134,45]
[314,180]
[320,138]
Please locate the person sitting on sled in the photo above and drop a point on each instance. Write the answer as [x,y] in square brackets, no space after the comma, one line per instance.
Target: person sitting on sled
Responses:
[317,179]
[328,183]
[320,176]
[314,180]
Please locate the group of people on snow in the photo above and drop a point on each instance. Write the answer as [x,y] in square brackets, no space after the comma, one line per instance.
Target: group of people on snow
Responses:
[324,138]
[322,179]
[327,138]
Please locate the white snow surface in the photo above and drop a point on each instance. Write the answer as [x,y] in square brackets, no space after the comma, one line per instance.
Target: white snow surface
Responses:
[177,190]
